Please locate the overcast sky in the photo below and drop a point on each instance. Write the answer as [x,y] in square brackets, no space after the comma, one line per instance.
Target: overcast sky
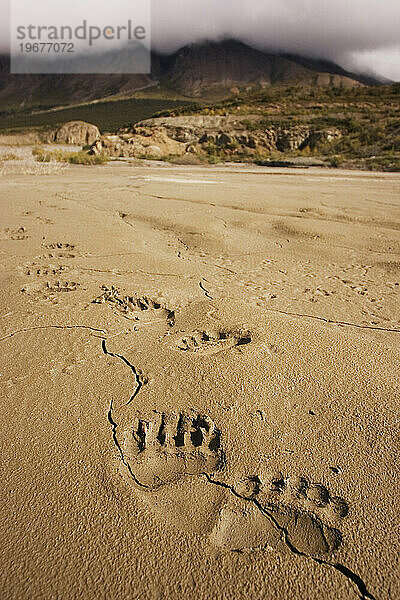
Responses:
[359,34]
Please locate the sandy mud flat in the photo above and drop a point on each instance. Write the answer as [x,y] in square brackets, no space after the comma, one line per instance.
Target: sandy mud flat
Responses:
[200,383]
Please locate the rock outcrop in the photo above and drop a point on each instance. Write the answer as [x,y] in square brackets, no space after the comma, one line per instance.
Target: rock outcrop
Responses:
[78,133]
[206,135]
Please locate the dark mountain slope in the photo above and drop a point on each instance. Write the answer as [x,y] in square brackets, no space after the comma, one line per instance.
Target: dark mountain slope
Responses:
[193,71]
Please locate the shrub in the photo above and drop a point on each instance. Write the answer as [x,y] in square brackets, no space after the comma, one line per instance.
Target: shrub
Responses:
[73,158]
[336,161]
[9,156]
[83,158]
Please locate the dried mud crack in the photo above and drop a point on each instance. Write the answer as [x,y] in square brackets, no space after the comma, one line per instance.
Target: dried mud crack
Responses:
[39,327]
[332,322]
[113,424]
[206,292]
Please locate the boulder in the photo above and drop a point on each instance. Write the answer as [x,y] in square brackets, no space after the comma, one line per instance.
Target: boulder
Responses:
[78,133]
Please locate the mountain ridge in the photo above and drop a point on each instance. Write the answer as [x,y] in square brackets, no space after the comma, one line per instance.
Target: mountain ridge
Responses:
[201,66]
[193,71]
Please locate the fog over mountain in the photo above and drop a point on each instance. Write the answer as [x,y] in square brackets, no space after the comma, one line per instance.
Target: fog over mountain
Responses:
[358,34]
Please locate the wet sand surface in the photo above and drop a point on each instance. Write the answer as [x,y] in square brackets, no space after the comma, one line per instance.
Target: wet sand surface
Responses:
[199,383]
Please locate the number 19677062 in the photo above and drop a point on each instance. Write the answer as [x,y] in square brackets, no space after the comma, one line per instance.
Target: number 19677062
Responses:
[41,47]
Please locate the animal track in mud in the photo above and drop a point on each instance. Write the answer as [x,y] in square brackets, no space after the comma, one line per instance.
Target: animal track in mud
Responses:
[41,219]
[289,514]
[304,512]
[58,250]
[56,255]
[62,286]
[59,246]
[134,307]
[287,230]
[43,271]
[211,342]
[51,287]
[172,446]
[313,295]
[16,234]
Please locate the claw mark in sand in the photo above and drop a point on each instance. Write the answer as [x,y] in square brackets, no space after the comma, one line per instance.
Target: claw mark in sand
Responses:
[164,449]
[167,447]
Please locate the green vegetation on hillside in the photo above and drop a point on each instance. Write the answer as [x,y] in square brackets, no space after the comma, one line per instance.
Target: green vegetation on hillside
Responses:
[290,100]
[107,115]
